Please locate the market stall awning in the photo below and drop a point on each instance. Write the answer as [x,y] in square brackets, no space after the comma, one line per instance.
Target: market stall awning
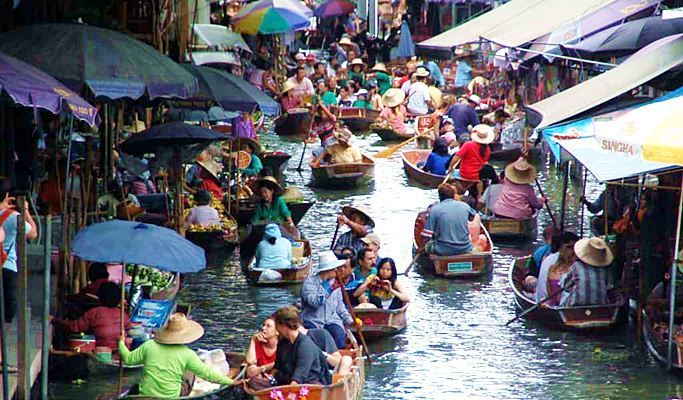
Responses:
[220,37]
[213,57]
[650,62]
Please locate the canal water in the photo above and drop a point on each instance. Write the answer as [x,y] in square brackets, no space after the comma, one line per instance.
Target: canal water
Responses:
[455,346]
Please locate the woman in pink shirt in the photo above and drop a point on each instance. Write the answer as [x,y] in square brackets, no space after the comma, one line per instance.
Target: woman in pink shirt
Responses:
[289,100]
[394,112]
[518,199]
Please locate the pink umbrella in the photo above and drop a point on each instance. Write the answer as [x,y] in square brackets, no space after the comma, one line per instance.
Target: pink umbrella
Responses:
[334,8]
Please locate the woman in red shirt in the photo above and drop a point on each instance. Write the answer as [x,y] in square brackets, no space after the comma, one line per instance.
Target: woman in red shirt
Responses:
[473,155]
[262,347]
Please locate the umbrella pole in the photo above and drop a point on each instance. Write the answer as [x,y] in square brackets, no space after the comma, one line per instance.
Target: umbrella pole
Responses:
[583,195]
[674,274]
[121,324]
[46,307]
[565,183]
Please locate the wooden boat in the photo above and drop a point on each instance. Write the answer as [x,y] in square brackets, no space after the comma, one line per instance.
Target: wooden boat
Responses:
[498,153]
[295,122]
[349,387]
[224,392]
[580,318]
[274,163]
[296,274]
[511,229]
[246,211]
[378,322]
[388,134]
[410,160]
[462,266]
[213,240]
[343,175]
[655,329]
[358,120]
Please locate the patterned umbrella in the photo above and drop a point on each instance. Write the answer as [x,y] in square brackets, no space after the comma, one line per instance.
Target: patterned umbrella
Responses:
[30,87]
[272,16]
[334,8]
[109,64]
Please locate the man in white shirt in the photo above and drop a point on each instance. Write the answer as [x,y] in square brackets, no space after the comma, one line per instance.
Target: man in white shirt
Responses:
[419,98]
[302,85]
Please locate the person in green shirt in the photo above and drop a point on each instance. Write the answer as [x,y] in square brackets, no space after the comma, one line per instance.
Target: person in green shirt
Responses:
[253,148]
[382,76]
[271,207]
[356,72]
[362,99]
[166,358]
[325,96]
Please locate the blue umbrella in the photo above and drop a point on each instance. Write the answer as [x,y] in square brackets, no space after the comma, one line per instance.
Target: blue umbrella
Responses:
[134,242]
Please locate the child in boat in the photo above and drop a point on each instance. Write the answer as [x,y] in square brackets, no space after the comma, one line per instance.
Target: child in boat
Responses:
[202,214]
[437,162]
[274,251]
[385,290]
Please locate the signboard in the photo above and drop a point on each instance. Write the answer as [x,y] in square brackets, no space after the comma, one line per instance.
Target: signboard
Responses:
[152,313]
[465,266]
[503,226]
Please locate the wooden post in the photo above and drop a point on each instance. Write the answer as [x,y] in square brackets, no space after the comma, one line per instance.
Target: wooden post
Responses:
[23,323]
[47,256]
[183,28]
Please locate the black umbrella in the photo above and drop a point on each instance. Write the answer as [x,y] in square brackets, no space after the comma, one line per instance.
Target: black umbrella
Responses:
[626,38]
[170,135]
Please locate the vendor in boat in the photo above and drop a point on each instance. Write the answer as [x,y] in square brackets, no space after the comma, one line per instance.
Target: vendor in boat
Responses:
[255,165]
[322,306]
[394,112]
[202,214]
[166,358]
[289,100]
[437,162]
[209,178]
[464,116]
[589,278]
[104,321]
[298,360]
[473,155]
[362,100]
[343,152]
[386,292]
[303,87]
[323,95]
[446,226]
[517,198]
[324,124]
[260,357]
[382,76]
[553,268]
[271,207]
[243,127]
[97,275]
[356,71]
[359,222]
[274,251]
[111,201]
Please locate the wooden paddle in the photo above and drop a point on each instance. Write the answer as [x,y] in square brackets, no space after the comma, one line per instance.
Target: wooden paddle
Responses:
[449,172]
[547,206]
[386,153]
[303,153]
[418,253]
[535,306]
[334,238]
[359,331]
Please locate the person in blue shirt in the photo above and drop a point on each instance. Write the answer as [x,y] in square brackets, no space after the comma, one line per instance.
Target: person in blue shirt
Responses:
[437,162]
[435,72]
[463,116]
[274,251]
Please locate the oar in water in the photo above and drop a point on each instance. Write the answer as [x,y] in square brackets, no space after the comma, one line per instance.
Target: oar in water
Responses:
[547,206]
[418,253]
[359,331]
[303,153]
[535,306]
[334,238]
[386,153]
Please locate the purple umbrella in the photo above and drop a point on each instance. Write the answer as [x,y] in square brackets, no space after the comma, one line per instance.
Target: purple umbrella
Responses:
[31,87]
[334,8]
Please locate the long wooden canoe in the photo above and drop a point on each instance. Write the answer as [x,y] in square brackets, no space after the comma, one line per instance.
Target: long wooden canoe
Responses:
[509,154]
[378,322]
[511,229]
[295,122]
[343,175]
[388,134]
[358,120]
[274,164]
[222,392]
[599,317]
[655,329]
[296,274]
[247,208]
[349,387]
[462,266]
[212,240]
[411,158]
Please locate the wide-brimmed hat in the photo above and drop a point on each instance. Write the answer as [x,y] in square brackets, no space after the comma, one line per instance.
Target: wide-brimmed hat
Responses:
[287,86]
[357,61]
[329,261]
[210,166]
[348,210]
[253,144]
[520,172]
[482,134]
[474,99]
[371,238]
[393,97]
[134,127]
[422,72]
[344,135]
[345,41]
[299,56]
[380,67]
[270,181]
[594,251]
[179,330]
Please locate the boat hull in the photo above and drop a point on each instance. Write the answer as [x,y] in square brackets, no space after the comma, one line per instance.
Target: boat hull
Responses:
[290,276]
[389,135]
[411,158]
[294,123]
[339,176]
[358,120]
[274,164]
[656,340]
[246,211]
[379,322]
[498,153]
[511,229]
[584,318]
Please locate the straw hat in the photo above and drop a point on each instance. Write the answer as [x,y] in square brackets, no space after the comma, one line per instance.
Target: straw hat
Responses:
[253,144]
[292,194]
[135,127]
[345,41]
[329,261]
[270,181]
[380,67]
[520,172]
[594,252]
[344,135]
[474,99]
[482,134]
[179,330]
[357,61]
[348,210]
[421,72]
[393,97]
[288,85]
[210,166]
[371,238]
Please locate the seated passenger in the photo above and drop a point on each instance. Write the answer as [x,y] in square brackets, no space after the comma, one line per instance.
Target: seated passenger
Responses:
[255,165]
[360,224]
[517,198]
[589,273]
[447,225]
[534,263]
[271,207]
[386,291]
[274,251]
[202,214]
[394,113]
[260,357]
[437,162]
[343,152]
[366,261]
[97,275]
[554,267]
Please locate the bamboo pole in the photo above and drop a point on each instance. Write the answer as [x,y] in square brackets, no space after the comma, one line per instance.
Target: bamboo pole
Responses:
[674,275]
[23,323]
[47,256]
